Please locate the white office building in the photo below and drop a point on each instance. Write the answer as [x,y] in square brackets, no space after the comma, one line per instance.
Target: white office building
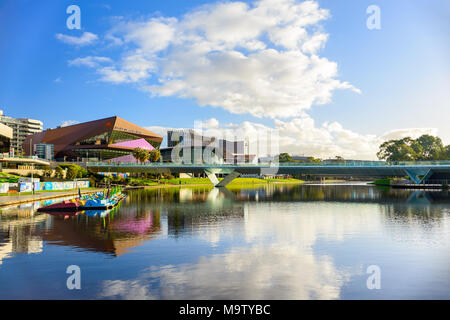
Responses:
[21,129]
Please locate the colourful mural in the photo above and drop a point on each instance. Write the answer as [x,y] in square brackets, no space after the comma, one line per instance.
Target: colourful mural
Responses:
[40,186]
[4,187]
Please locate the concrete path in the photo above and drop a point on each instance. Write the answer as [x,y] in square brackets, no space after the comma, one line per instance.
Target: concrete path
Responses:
[13,200]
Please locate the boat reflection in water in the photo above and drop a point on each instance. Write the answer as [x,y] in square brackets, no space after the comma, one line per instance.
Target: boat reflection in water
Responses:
[102,230]
[257,242]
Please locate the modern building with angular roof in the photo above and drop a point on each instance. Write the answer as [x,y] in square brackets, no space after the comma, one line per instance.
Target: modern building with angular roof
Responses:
[102,139]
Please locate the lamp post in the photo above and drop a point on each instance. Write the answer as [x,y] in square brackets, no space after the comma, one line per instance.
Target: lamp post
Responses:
[32,180]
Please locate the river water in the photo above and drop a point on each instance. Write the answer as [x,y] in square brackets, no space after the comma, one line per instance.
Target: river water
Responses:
[270,242]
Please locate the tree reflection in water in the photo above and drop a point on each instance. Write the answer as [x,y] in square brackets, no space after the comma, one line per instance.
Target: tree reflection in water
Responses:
[274,241]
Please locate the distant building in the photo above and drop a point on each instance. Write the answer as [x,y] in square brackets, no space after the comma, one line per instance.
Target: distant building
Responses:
[187,137]
[189,142]
[112,139]
[21,129]
[269,159]
[6,135]
[44,151]
[301,158]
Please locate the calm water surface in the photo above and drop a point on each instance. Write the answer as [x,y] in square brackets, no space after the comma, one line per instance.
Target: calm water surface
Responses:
[274,242]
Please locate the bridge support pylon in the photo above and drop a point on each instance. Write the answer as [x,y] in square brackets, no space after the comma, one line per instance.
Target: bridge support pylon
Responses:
[223,183]
[419,176]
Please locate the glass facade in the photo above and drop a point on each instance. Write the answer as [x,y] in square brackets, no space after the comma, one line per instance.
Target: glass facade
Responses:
[100,154]
[5,144]
[44,151]
[104,139]
[118,136]
[100,139]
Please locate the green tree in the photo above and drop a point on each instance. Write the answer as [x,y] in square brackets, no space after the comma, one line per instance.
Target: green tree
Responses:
[76,171]
[154,155]
[445,153]
[71,173]
[81,172]
[59,172]
[145,155]
[312,159]
[141,155]
[431,147]
[284,157]
[398,150]
[426,147]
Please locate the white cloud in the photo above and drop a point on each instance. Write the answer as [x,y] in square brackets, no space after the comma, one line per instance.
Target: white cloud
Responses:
[57,80]
[277,262]
[260,58]
[85,39]
[153,35]
[412,133]
[302,136]
[89,61]
[133,68]
[241,273]
[67,123]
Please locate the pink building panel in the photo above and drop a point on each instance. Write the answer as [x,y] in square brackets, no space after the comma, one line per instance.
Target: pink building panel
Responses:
[139,143]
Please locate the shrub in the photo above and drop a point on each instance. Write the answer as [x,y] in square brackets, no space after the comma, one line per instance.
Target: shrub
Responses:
[59,172]
[74,171]
[47,173]
[71,173]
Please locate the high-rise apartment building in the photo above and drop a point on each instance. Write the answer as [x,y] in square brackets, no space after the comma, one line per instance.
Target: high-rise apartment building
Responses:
[21,129]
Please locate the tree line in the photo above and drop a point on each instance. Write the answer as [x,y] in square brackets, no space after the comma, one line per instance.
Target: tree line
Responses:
[424,148]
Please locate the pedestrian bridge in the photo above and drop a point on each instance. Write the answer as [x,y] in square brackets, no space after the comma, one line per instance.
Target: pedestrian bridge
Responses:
[419,172]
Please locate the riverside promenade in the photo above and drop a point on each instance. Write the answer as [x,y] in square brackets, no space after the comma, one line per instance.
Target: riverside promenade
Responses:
[19,199]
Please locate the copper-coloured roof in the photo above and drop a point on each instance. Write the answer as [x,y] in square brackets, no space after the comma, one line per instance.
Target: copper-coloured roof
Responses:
[65,137]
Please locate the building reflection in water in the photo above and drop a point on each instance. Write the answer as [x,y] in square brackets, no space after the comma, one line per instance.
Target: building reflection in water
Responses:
[112,233]
[186,210]
[24,230]
[19,230]
[276,229]
[281,226]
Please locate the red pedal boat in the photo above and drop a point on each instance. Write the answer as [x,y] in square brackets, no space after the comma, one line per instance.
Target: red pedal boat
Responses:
[66,205]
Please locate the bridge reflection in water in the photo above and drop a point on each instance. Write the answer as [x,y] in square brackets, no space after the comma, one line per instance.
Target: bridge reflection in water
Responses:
[275,242]
[149,214]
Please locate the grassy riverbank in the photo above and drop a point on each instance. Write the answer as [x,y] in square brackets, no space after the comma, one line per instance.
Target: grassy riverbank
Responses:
[388,181]
[8,178]
[382,182]
[142,182]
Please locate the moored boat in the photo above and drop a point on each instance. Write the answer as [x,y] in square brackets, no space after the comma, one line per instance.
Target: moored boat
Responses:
[67,205]
[97,201]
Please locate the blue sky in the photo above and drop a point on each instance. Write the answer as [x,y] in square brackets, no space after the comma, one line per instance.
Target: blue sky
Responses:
[402,71]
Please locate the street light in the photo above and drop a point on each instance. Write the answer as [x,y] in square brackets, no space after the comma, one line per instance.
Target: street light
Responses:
[32,179]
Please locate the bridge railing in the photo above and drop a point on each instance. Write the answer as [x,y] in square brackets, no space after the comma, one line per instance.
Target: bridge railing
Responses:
[322,163]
